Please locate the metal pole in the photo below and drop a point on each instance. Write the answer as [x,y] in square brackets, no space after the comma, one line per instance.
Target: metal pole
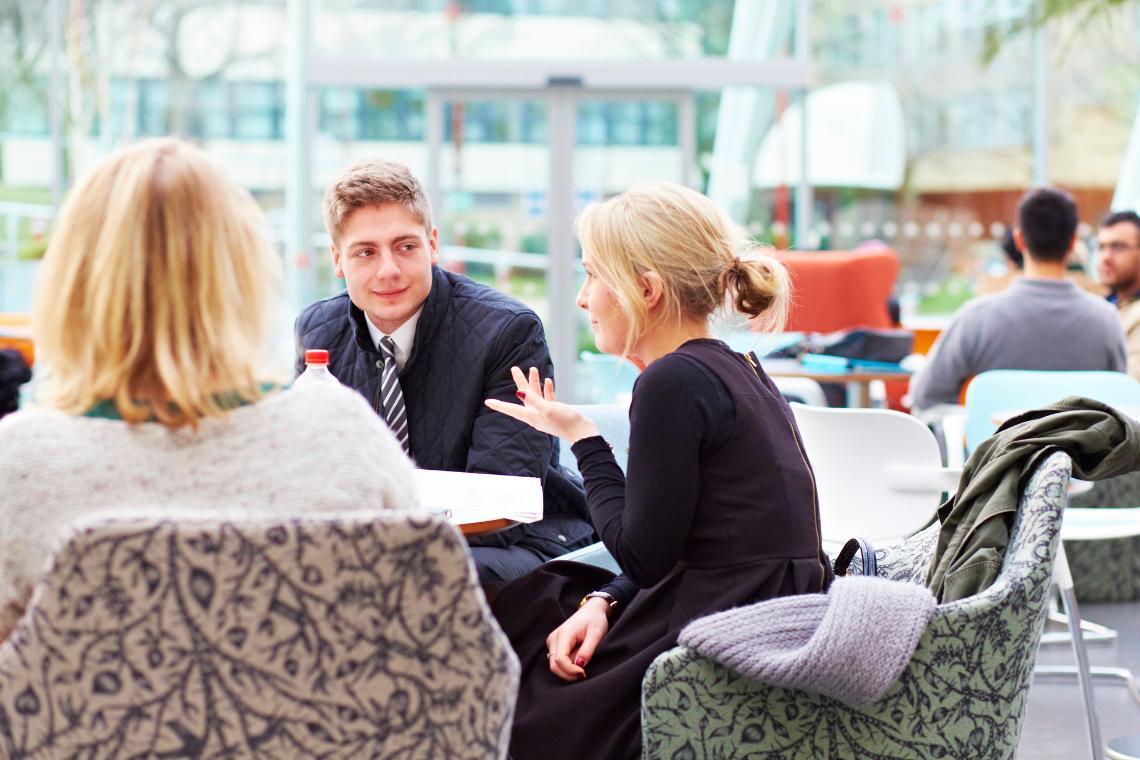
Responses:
[434,134]
[1040,107]
[804,199]
[299,259]
[687,138]
[561,321]
[55,108]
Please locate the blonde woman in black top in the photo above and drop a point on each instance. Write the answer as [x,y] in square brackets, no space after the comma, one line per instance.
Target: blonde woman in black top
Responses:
[718,506]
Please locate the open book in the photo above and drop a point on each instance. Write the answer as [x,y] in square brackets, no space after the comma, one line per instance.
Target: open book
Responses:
[467,497]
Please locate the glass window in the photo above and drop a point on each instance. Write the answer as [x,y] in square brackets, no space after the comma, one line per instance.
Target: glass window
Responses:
[392,115]
[591,124]
[534,122]
[340,112]
[154,107]
[27,112]
[209,116]
[660,121]
[257,109]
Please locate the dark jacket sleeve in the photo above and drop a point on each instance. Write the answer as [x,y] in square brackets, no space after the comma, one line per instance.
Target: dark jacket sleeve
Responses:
[500,444]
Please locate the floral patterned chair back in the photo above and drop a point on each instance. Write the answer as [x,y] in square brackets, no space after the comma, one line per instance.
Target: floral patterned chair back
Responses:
[349,635]
[963,694]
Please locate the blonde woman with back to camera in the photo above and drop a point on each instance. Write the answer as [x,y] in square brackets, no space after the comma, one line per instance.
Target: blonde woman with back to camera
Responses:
[150,320]
[717,508]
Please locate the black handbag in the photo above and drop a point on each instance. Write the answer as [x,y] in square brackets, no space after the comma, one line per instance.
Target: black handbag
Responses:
[14,372]
[860,343]
[866,554]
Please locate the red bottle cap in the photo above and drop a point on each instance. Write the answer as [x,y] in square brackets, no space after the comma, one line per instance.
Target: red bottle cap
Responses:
[316,356]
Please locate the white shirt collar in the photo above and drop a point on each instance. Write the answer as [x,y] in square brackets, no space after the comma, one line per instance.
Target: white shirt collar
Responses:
[403,336]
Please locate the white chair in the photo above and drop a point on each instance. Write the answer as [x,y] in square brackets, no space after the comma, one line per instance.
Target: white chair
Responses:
[361,634]
[803,390]
[878,473]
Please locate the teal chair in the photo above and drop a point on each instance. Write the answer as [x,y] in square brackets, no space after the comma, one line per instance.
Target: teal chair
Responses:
[1012,390]
[964,692]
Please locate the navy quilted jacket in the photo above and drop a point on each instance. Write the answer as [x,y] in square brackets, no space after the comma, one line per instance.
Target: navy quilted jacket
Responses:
[467,339]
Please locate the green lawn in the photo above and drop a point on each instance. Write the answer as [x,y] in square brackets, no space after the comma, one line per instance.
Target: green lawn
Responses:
[25,194]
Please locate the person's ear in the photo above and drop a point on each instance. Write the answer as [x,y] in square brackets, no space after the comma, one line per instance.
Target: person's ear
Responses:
[1019,239]
[338,270]
[433,244]
[652,289]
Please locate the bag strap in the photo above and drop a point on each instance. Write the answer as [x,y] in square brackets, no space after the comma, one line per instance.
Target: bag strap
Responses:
[847,553]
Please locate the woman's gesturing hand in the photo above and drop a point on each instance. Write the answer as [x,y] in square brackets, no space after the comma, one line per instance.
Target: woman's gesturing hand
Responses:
[541,411]
[571,645]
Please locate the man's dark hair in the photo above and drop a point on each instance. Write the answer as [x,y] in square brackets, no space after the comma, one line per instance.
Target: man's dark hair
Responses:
[1120,217]
[1047,218]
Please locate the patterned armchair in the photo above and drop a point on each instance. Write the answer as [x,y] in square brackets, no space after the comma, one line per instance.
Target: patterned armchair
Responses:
[1107,570]
[963,694]
[333,636]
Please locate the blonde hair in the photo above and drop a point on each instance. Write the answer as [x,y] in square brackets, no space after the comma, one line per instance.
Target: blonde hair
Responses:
[156,289]
[369,183]
[704,259]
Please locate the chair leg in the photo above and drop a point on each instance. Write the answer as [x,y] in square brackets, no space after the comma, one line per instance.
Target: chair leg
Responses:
[1123,675]
[1092,632]
[1063,578]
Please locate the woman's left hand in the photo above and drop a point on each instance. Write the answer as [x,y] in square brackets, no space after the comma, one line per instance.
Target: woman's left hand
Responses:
[570,646]
[541,411]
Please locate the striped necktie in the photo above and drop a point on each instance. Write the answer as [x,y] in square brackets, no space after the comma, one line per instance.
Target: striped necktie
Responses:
[391,397]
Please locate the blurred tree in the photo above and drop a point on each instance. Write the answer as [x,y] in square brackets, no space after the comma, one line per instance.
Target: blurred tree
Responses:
[1040,13]
[22,44]
[182,50]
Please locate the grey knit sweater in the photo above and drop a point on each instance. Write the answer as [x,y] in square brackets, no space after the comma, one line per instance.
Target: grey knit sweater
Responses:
[851,644]
[318,447]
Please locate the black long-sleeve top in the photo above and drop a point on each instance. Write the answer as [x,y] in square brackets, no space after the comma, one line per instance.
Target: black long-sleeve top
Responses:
[679,407]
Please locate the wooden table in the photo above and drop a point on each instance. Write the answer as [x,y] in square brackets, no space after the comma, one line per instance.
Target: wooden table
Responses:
[858,381]
[483,527]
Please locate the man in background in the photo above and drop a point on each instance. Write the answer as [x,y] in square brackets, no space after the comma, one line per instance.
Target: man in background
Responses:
[1041,321]
[426,347]
[1118,264]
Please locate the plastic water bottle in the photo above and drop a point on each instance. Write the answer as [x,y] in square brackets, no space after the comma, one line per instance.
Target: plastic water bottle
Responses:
[316,369]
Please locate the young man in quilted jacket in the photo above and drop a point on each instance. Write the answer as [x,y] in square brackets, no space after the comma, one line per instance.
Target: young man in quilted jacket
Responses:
[448,343]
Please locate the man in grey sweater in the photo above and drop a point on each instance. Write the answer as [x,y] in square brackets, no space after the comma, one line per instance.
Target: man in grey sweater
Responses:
[1041,321]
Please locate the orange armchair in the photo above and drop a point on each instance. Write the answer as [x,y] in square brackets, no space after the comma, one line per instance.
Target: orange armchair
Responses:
[839,290]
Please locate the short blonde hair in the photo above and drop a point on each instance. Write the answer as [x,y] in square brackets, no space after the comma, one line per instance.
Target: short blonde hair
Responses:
[369,183]
[704,259]
[156,289]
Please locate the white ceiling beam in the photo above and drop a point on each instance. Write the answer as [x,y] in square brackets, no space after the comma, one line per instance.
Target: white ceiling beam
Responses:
[691,74]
